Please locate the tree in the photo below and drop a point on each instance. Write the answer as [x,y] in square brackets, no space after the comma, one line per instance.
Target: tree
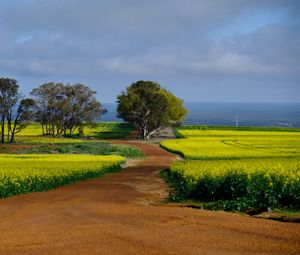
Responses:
[9,97]
[47,98]
[149,107]
[24,115]
[80,107]
[62,109]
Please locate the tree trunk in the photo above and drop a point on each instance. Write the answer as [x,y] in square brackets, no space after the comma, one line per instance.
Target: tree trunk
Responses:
[9,126]
[145,133]
[139,132]
[12,129]
[2,129]
[149,134]
[12,138]
[8,130]
[53,130]
[47,129]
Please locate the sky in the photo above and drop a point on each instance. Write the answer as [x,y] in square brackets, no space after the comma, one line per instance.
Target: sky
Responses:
[202,51]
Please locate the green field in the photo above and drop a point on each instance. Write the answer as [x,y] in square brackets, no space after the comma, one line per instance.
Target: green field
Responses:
[21,174]
[48,140]
[249,169]
[92,147]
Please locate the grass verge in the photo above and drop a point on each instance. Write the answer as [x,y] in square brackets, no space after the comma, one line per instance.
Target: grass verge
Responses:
[94,148]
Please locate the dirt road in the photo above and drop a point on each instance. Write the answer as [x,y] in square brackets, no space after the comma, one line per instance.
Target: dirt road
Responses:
[120,214]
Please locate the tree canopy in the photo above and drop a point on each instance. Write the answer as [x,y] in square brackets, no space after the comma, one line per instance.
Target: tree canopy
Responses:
[149,107]
[9,98]
[61,109]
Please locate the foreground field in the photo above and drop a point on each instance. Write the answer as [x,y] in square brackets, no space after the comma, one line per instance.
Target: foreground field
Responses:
[237,169]
[122,214]
[244,184]
[21,174]
[69,159]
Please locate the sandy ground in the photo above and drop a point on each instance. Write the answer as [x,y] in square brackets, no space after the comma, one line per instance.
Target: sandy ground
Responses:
[120,213]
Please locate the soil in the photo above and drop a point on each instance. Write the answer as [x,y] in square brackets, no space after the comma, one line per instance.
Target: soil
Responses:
[14,148]
[123,213]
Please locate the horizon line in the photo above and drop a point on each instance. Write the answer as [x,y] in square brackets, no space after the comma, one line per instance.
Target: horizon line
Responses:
[230,102]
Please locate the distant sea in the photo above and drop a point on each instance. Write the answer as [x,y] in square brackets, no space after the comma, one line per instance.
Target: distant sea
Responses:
[232,114]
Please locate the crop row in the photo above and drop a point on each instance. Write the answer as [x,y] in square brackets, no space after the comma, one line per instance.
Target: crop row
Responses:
[21,174]
[234,148]
[237,170]
[254,183]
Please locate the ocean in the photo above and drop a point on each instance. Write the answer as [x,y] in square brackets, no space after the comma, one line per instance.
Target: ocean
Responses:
[232,114]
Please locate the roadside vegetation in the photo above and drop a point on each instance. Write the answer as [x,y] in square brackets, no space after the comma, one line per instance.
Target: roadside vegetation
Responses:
[20,174]
[250,170]
[93,148]
[56,127]
[40,163]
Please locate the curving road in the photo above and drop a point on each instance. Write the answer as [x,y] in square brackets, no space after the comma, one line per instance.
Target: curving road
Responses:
[120,213]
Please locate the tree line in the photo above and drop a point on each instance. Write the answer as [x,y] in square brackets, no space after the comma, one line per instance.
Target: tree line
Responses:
[62,109]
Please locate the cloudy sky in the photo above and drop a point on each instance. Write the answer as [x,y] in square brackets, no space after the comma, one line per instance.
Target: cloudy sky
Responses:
[212,50]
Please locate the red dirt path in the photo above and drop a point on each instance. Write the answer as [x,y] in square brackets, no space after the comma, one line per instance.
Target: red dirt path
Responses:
[120,214]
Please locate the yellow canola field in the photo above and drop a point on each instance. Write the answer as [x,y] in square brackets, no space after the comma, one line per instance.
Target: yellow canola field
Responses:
[219,144]
[245,169]
[34,172]
[287,169]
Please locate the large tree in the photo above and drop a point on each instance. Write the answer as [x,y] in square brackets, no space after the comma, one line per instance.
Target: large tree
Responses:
[13,121]
[149,107]
[62,109]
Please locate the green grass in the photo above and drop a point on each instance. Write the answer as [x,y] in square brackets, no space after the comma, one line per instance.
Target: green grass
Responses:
[95,148]
[242,170]
[109,130]
[48,140]
[288,212]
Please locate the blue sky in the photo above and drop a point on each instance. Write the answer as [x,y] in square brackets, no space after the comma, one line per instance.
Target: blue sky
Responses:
[225,50]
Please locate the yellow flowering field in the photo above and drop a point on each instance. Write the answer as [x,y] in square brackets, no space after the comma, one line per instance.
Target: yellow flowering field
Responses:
[21,174]
[99,130]
[221,144]
[244,169]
